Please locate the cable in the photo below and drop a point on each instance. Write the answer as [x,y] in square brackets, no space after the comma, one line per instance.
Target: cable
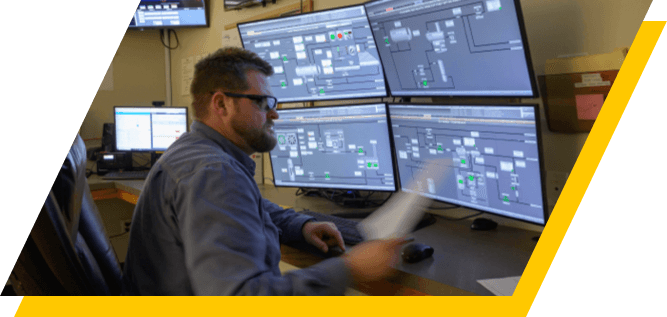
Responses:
[168,35]
[344,198]
[384,201]
[300,191]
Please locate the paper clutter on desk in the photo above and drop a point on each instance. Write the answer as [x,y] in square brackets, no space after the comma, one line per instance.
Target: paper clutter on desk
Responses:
[400,215]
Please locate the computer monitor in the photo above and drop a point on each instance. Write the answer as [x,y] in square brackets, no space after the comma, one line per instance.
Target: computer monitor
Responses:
[319,56]
[145,129]
[460,48]
[493,156]
[170,14]
[343,147]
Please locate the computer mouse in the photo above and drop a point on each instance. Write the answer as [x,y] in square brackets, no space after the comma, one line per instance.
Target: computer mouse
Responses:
[483,224]
[416,252]
[335,251]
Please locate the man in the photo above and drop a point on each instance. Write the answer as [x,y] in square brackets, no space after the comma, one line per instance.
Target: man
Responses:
[201,227]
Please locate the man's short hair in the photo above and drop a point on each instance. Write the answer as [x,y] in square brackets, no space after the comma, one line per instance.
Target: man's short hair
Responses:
[223,70]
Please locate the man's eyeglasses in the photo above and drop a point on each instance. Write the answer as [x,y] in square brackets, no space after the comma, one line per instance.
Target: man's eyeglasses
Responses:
[265,103]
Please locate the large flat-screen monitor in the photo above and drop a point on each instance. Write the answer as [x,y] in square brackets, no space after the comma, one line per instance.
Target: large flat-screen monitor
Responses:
[344,147]
[148,128]
[170,14]
[319,56]
[459,48]
[492,156]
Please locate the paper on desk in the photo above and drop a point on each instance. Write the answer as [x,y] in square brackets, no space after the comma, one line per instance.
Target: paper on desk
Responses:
[401,214]
[501,286]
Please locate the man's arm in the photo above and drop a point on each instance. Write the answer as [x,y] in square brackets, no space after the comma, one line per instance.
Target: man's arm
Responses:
[287,220]
[229,248]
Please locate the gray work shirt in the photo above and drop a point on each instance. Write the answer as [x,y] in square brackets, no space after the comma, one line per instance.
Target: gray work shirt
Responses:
[201,227]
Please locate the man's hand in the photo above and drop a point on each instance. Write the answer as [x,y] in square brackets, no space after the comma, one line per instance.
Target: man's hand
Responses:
[322,235]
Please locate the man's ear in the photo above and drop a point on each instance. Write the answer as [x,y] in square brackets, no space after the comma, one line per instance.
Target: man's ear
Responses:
[218,104]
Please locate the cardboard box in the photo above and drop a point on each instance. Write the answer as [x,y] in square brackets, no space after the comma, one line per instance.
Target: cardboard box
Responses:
[574,89]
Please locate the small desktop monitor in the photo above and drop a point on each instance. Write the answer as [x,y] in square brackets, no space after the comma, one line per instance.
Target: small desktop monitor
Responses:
[170,14]
[326,55]
[343,147]
[492,153]
[445,48]
[145,129]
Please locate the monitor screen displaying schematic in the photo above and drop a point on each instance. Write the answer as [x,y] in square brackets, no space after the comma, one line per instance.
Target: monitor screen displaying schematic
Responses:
[345,147]
[319,56]
[148,128]
[493,156]
[466,48]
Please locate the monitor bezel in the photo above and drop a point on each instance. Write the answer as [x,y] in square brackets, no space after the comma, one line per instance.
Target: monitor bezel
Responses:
[115,126]
[207,15]
[334,98]
[391,148]
[529,63]
[538,130]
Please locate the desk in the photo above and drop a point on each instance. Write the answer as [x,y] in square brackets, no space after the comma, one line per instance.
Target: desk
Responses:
[461,256]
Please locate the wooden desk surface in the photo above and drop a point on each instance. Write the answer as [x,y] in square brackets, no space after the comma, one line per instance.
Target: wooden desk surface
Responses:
[462,256]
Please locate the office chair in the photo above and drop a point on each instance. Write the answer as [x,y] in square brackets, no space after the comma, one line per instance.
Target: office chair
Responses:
[68,251]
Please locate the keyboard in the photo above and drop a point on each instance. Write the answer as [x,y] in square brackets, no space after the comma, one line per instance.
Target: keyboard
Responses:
[126,175]
[347,227]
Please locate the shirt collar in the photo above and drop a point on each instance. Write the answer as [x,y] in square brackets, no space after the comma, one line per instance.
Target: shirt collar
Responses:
[226,145]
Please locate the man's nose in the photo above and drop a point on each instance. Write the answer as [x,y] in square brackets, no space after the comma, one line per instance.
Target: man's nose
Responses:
[273,114]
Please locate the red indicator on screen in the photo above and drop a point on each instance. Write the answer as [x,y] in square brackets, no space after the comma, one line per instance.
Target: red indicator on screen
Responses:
[389,9]
[340,36]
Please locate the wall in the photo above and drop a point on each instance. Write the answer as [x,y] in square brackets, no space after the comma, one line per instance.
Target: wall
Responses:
[554,28]
[138,75]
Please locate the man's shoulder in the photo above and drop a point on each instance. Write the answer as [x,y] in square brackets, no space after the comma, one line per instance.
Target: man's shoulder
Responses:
[192,152]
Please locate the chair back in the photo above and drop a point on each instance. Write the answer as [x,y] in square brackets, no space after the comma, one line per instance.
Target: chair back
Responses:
[68,251]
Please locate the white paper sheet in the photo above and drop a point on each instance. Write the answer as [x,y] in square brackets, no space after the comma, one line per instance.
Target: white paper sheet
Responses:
[501,286]
[400,214]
